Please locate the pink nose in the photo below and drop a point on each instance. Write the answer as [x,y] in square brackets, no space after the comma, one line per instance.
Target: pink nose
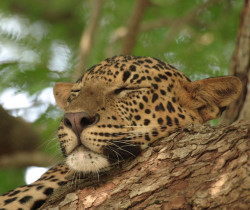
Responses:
[79,121]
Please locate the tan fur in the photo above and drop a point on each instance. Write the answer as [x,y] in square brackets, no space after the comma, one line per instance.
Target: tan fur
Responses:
[209,95]
[61,93]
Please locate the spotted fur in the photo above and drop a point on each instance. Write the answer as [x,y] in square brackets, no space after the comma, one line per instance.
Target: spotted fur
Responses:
[116,109]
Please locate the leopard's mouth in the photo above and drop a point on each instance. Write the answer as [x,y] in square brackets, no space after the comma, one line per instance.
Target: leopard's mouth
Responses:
[80,148]
[82,159]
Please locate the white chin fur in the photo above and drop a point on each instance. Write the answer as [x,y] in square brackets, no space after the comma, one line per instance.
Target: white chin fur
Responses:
[84,160]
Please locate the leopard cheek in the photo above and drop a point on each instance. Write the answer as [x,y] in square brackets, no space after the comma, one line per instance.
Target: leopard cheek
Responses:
[68,141]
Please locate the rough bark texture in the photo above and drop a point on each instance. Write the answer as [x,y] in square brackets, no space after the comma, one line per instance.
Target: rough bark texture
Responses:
[197,168]
[240,67]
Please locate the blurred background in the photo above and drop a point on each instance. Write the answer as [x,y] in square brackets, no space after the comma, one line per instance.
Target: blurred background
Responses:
[43,42]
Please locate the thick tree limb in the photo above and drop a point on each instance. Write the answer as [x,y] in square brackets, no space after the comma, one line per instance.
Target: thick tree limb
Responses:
[87,38]
[198,168]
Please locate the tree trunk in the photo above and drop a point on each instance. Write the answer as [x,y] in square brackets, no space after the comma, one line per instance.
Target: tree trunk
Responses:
[240,67]
[196,168]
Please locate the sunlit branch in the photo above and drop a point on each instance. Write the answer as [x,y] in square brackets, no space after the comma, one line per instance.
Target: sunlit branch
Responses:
[87,38]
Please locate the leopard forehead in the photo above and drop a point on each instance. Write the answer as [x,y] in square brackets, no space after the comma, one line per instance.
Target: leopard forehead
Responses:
[131,70]
[131,65]
[128,72]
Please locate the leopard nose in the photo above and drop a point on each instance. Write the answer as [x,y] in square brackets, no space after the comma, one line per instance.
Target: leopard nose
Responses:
[79,121]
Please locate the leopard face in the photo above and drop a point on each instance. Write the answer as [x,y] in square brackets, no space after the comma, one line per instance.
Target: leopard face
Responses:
[123,104]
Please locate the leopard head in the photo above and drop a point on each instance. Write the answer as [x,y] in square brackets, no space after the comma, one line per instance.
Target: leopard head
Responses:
[121,105]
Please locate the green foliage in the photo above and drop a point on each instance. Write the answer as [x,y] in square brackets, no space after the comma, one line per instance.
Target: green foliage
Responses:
[45,38]
[11,177]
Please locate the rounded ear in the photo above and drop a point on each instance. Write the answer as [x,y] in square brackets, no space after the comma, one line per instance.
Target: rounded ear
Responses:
[211,96]
[61,93]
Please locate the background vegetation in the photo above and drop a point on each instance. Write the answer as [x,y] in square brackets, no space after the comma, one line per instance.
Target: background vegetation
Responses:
[39,45]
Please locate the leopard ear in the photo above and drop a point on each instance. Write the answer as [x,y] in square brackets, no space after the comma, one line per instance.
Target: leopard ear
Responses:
[61,93]
[211,96]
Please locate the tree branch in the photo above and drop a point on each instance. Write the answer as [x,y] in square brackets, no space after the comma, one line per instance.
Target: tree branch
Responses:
[87,38]
[24,159]
[13,128]
[121,32]
[133,26]
[199,167]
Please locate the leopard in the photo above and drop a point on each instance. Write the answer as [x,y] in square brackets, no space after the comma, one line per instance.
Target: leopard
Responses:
[116,109]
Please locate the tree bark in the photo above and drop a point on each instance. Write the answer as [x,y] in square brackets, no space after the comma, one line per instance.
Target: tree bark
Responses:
[197,168]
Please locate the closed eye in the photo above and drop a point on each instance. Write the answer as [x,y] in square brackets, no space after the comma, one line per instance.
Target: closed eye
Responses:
[119,90]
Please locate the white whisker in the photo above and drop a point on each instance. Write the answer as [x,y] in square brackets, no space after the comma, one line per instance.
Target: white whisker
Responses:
[122,149]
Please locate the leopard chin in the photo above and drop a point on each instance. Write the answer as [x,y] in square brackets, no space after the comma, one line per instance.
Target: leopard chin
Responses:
[86,161]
